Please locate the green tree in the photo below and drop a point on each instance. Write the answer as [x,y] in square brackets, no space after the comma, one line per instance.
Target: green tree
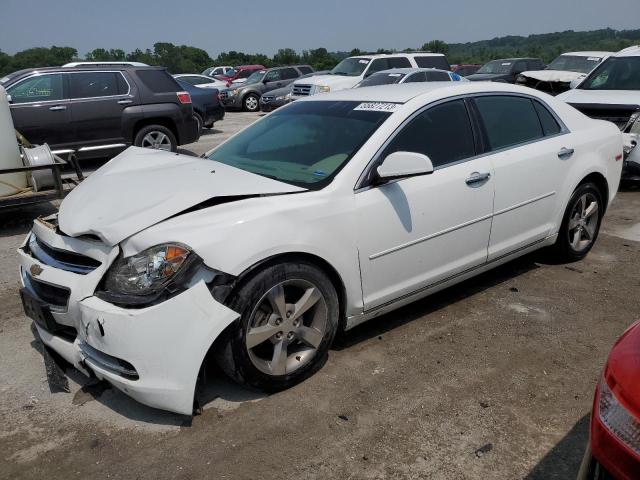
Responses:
[286,56]
[436,46]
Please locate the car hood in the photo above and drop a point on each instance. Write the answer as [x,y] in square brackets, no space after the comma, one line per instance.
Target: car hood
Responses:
[333,81]
[563,76]
[612,97]
[480,77]
[141,187]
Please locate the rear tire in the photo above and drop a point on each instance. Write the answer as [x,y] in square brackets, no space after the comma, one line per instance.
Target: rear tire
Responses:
[200,122]
[156,137]
[288,320]
[580,224]
[251,103]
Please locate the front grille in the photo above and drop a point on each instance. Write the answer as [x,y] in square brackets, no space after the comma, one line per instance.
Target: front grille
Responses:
[266,99]
[223,95]
[61,259]
[56,297]
[618,114]
[303,90]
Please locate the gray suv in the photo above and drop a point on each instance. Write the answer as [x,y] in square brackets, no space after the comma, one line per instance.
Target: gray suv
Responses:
[246,96]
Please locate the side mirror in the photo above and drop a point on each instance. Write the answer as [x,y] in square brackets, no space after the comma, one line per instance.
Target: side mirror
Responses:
[402,165]
[575,82]
[9,99]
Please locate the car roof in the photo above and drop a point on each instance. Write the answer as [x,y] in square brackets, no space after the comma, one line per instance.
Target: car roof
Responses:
[255,67]
[407,70]
[397,54]
[588,54]
[104,64]
[402,93]
[512,59]
[633,51]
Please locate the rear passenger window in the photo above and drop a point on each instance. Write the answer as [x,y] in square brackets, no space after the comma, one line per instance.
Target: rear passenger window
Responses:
[304,69]
[550,125]
[158,81]
[508,120]
[289,73]
[436,61]
[438,77]
[399,62]
[93,84]
[443,133]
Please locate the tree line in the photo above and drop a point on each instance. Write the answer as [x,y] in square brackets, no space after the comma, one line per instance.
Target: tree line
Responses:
[188,59]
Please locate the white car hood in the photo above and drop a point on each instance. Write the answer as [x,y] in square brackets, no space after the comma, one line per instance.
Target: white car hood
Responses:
[335,82]
[141,187]
[553,75]
[612,97]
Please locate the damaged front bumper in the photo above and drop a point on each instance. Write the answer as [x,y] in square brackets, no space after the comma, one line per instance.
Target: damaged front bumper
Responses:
[152,354]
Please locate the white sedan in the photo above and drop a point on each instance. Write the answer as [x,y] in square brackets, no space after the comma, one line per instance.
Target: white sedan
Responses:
[201,81]
[323,214]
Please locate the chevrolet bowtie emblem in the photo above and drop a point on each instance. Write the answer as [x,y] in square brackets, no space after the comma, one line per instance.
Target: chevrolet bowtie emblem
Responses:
[35,269]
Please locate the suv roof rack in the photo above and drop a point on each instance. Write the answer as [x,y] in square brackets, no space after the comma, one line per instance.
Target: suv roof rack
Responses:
[104,64]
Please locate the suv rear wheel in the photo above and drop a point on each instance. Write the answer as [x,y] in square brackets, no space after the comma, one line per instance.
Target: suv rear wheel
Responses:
[200,122]
[251,103]
[157,137]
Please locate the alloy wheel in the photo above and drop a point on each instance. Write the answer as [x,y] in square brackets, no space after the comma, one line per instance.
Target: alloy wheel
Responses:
[251,103]
[286,327]
[156,140]
[583,222]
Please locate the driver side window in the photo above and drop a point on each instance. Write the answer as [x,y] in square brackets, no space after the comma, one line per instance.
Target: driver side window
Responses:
[442,132]
[272,76]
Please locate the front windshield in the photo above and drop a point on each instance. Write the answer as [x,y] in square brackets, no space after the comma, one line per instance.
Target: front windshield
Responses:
[574,63]
[208,71]
[496,67]
[305,144]
[255,77]
[615,73]
[381,79]
[351,67]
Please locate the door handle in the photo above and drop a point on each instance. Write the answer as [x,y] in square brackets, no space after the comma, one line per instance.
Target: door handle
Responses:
[477,177]
[565,153]
[57,108]
[125,102]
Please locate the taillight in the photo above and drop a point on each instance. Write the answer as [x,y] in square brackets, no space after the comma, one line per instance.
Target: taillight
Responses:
[184,97]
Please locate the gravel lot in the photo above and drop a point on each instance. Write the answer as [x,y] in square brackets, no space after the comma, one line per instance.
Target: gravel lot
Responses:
[490,379]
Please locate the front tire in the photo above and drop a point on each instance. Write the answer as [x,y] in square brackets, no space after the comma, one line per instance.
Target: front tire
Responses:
[581,223]
[251,103]
[288,320]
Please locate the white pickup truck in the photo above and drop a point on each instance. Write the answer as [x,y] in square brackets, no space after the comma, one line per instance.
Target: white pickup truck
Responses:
[352,70]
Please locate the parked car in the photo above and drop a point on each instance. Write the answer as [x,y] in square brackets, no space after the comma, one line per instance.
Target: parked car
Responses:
[201,81]
[353,70]
[239,74]
[98,111]
[465,69]
[247,95]
[612,92]
[505,70]
[409,75]
[281,96]
[563,70]
[206,105]
[213,71]
[315,218]
[613,452]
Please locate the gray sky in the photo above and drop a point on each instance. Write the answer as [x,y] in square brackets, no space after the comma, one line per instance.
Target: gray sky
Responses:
[263,26]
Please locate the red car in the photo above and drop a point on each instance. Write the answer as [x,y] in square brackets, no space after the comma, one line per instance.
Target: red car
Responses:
[614,441]
[241,71]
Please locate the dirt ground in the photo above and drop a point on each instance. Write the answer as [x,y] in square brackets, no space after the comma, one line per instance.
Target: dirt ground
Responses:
[490,379]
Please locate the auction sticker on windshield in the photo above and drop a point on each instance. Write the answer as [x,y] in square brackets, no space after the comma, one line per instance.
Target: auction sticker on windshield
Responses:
[377,107]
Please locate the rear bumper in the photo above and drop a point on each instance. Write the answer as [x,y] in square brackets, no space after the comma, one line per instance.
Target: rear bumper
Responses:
[152,354]
[214,113]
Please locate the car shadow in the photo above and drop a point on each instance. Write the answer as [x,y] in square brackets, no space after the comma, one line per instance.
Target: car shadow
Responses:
[18,221]
[418,309]
[563,460]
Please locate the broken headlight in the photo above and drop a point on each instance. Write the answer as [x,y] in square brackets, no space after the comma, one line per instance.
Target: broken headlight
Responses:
[144,277]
